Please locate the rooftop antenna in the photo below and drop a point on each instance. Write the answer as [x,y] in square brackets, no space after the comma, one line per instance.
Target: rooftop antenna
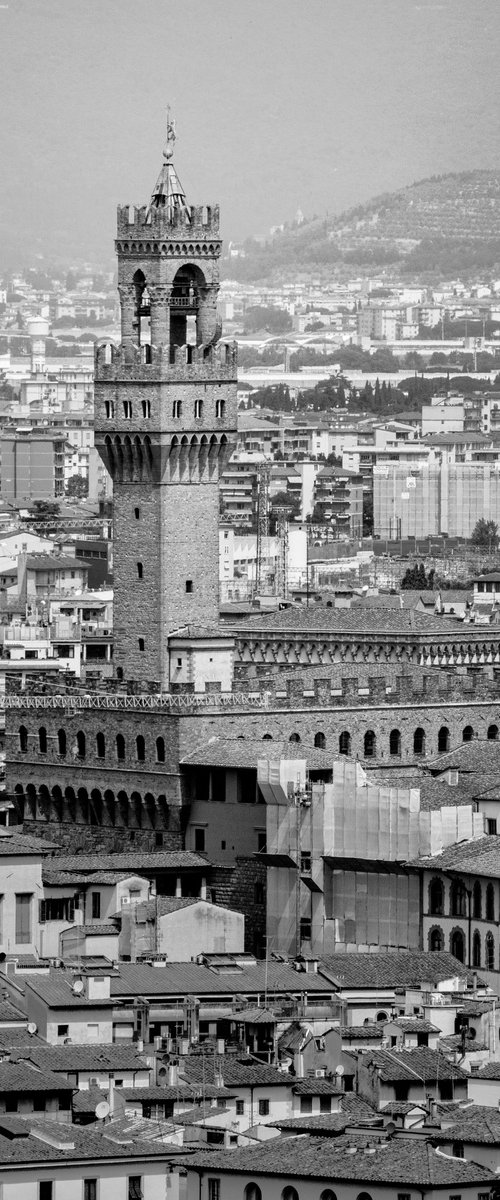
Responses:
[168,192]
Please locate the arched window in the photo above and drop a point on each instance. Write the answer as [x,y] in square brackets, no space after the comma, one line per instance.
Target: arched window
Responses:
[80,744]
[395,743]
[320,741]
[419,741]
[198,410]
[458,899]
[289,1193]
[477,901]
[23,737]
[457,944]
[294,737]
[252,1192]
[476,949]
[327,1194]
[141,748]
[363,1196]
[493,733]
[267,737]
[42,739]
[61,742]
[160,749]
[436,939]
[436,897]
[490,902]
[141,644]
[370,744]
[101,745]
[443,739]
[468,734]
[120,747]
[220,409]
[489,952]
[345,742]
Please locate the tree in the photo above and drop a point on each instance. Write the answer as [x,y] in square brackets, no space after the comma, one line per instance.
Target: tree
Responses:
[485,533]
[43,515]
[416,580]
[77,487]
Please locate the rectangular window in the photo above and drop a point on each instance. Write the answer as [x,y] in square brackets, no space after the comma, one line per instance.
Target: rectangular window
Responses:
[96,906]
[23,918]
[491,825]
[261,842]
[240,1108]
[135,1191]
[306,1104]
[62,1031]
[305,862]
[263,1108]
[90,1189]
[305,929]
[404,1196]
[93,1032]
[199,840]
[214,1189]
[325,1104]
[46,1189]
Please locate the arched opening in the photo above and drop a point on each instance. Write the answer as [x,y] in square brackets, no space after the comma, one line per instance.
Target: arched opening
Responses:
[458,899]
[370,744]
[185,298]
[23,737]
[253,1192]
[61,742]
[294,737]
[140,746]
[160,749]
[477,900]
[457,944]
[267,737]
[395,743]
[493,733]
[289,1193]
[489,947]
[436,897]
[419,741]
[476,949]
[42,739]
[100,745]
[345,742]
[120,747]
[320,741]
[142,313]
[436,939]
[327,1194]
[80,744]
[490,902]
[468,734]
[443,740]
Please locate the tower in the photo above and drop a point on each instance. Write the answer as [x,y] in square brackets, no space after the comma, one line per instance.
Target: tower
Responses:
[165,424]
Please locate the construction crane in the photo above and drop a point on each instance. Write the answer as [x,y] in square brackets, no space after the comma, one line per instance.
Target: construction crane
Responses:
[281,514]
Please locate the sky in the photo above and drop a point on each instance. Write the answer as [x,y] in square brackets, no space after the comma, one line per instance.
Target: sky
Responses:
[279,104]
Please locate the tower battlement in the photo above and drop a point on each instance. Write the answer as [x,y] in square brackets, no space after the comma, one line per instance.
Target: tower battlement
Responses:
[195,221]
[149,364]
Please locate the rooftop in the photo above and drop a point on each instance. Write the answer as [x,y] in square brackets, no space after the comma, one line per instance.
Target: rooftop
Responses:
[406,969]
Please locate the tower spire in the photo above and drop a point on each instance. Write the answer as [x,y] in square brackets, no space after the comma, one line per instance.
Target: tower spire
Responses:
[168,192]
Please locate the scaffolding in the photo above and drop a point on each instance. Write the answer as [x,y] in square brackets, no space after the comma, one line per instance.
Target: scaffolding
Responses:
[263,477]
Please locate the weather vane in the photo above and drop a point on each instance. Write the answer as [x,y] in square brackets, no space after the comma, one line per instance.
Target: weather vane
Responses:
[170,140]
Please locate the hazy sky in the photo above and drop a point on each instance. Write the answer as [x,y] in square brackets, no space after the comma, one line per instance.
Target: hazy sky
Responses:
[278,103]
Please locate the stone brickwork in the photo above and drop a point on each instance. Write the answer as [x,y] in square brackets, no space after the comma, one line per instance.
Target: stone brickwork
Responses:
[243,887]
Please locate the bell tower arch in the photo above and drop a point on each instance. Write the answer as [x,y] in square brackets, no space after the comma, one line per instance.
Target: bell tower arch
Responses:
[165,424]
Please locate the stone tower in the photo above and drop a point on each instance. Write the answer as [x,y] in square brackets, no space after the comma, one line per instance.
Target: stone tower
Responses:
[165,425]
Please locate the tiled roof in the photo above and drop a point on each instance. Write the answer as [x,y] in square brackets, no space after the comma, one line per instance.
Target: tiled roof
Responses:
[15,1036]
[428,1064]
[9,1012]
[134,860]
[96,930]
[344,621]
[187,978]
[316,1087]
[400,1108]
[75,1057]
[294,1037]
[12,842]
[242,753]
[357,1108]
[236,1072]
[405,969]
[414,1025]
[479,755]
[478,1123]
[491,1070]
[479,856]
[181,1092]
[120,1138]
[370,1032]
[325,1125]
[56,991]
[71,878]
[193,1116]
[21,1077]
[161,906]
[412,1162]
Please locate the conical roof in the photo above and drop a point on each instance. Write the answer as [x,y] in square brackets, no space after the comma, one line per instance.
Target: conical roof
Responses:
[168,193]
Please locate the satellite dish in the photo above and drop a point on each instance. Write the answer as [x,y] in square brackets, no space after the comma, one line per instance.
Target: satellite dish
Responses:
[340,1070]
[102,1110]
[78,987]
[32,1028]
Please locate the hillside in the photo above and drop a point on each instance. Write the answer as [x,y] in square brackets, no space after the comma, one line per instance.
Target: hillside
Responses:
[446,223]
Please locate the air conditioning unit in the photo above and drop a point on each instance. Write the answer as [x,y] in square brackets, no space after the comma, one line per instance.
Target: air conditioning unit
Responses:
[320,1073]
[125,900]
